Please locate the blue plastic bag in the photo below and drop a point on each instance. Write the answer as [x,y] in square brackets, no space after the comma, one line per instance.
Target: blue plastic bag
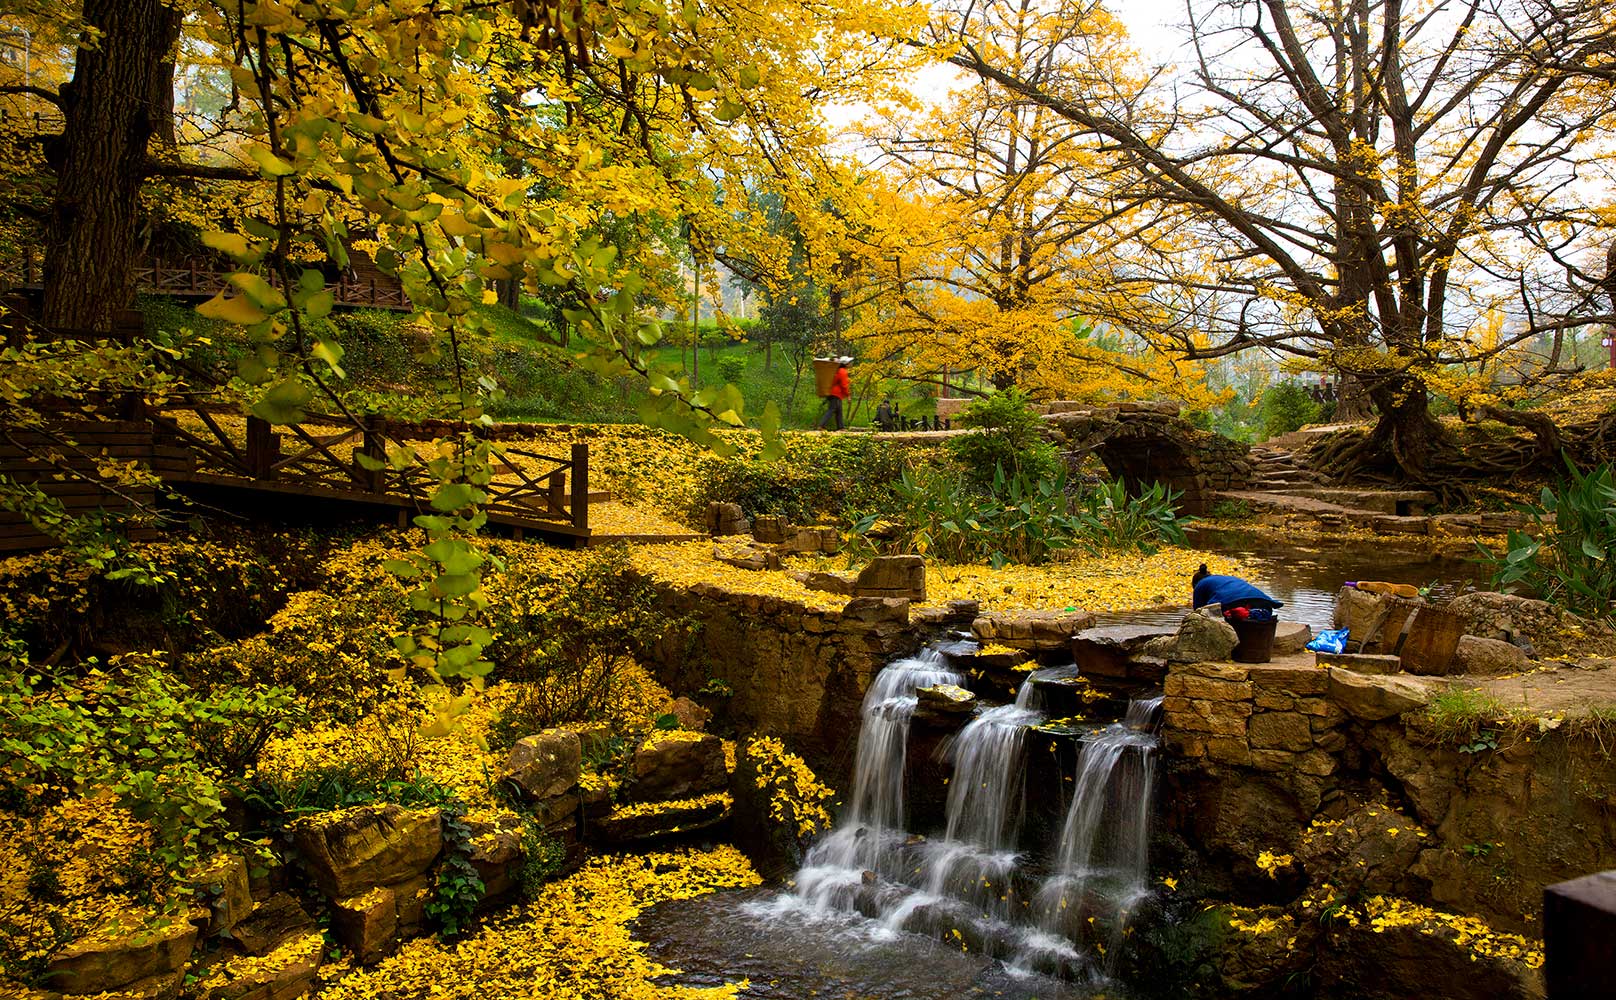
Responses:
[1331,640]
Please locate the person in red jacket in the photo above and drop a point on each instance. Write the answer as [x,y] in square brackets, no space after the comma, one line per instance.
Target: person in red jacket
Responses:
[839,391]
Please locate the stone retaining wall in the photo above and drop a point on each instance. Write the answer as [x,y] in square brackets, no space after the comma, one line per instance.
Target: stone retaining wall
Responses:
[794,671]
[1255,754]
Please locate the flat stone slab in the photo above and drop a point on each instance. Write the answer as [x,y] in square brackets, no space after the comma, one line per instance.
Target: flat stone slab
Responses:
[1362,663]
[1124,636]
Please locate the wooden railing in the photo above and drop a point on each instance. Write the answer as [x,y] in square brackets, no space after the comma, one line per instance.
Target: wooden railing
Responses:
[193,279]
[323,460]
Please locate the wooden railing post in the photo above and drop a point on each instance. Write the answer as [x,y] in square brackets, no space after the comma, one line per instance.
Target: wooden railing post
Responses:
[263,448]
[557,499]
[580,486]
[373,447]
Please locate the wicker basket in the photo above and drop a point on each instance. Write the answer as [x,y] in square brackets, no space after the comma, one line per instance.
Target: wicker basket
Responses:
[1432,640]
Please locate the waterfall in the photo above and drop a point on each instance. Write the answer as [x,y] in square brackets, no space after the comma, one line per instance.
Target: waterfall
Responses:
[1101,870]
[969,882]
[968,872]
[869,837]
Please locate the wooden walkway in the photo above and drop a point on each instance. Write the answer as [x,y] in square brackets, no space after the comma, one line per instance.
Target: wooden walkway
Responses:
[364,288]
[337,464]
[296,471]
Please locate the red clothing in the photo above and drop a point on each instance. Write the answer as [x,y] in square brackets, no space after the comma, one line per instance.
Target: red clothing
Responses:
[838,385]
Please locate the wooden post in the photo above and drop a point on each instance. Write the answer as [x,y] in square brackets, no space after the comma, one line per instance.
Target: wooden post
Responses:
[580,486]
[263,448]
[557,481]
[372,447]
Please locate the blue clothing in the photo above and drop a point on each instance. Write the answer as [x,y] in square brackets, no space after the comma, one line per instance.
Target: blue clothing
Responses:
[1230,591]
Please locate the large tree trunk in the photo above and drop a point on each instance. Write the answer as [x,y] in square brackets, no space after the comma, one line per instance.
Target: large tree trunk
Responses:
[112,108]
[1407,442]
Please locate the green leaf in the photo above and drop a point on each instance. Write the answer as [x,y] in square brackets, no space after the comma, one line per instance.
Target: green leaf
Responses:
[271,165]
[283,403]
[232,309]
[231,244]
[330,352]
[262,294]
[451,497]
[403,570]
[318,305]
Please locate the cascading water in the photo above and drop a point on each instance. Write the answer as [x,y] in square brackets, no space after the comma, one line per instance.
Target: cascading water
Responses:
[869,835]
[972,877]
[969,870]
[1101,866]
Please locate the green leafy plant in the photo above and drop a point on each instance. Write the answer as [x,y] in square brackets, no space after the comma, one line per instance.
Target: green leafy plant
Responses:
[543,858]
[1572,560]
[459,888]
[162,749]
[1010,436]
[565,654]
[1018,519]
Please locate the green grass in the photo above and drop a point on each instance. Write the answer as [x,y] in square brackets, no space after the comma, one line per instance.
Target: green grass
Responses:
[546,385]
[1461,715]
[540,378]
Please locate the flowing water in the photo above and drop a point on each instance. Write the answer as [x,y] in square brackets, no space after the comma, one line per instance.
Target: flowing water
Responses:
[978,884]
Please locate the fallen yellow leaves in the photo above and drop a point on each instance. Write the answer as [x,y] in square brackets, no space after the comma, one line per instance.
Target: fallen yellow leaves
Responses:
[571,943]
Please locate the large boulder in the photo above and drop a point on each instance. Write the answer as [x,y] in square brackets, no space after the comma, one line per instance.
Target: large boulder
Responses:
[1548,630]
[673,764]
[110,960]
[367,924]
[640,823]
[1041,631]
[1107,651]
[1200,639]
[1375,697]
[224,885]
[286,974]
[352,850]
[1290,637]
[546,764]
[1476,655]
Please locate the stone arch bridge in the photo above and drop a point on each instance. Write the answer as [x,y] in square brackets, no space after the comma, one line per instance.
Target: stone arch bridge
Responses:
[1139,442]
[1144,443]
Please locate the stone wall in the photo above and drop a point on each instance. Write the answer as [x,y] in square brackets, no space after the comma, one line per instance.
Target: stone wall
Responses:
[794,671]
[1255,754]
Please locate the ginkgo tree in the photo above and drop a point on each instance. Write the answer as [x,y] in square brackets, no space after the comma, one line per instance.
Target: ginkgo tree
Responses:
[1359,185]
[481,143]
[1001,234]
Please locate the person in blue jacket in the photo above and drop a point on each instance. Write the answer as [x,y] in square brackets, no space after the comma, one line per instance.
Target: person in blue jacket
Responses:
[1229,591]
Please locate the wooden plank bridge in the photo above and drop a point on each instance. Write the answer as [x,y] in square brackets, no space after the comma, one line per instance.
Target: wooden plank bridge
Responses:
[217,459]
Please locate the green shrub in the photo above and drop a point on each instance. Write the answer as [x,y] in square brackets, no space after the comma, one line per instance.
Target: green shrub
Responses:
[543,858]
[1573,561]
[1286,407]
[821,475]
[160,747]
[565,655]
[1022,520]
[731,367]
[1011,437]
